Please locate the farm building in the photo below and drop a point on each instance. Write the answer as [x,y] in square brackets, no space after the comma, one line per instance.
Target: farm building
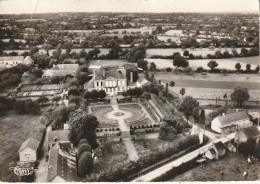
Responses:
[216,151]
[231,122]
[28,150]
[247,133]
[11,61]
[61,70]
[62,164]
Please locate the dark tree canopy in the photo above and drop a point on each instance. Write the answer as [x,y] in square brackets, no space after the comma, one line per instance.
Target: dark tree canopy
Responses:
[85,164]
[179,61]
[240,95]
[212,64]
[84,126]
[188,105]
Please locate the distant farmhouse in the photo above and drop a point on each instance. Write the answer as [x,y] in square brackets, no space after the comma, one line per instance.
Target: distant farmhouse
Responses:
[11,61]
[28,150]
[114,79]
[61,70]
[231,122]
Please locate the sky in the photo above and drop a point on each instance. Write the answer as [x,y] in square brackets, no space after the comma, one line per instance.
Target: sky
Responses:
[47,6]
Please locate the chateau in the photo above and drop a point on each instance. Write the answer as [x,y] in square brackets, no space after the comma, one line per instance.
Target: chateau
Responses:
[112,79]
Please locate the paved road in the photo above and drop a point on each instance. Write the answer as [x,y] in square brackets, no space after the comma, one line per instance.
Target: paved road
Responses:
[41,173]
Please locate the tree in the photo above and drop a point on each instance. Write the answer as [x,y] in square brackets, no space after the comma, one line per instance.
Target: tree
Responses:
[152,67]
[83,141]
[74,91]
[182,92]
[88,95]
[83,148]
[202,116]
[143,64]
[212,64]
[179,61]
[167,132]
[19,107]
[238,66]
[186,53]
[84,126]
[75,100]
[102,94]
[172,83]
[240,95]
[188,105]
[248,67]
[31,107]
[56,99]
[42,99]
[85,164]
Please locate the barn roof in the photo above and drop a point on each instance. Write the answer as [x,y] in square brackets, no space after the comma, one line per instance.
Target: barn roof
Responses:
[29,143]
[251,132]
[229,118]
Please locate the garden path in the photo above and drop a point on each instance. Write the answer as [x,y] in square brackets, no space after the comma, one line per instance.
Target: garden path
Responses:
[124,128]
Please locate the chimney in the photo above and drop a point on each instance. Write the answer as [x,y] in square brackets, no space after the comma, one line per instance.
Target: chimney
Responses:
[94,73]
[131,77]
[223,114]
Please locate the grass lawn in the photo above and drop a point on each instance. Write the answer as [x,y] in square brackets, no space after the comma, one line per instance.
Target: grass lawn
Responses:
[14,130]
[211,170]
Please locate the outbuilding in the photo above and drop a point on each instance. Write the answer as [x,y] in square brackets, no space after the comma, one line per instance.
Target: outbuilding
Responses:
[28,150]
[231,122]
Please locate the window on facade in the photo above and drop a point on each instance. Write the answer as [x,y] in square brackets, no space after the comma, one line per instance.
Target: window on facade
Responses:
[101,83]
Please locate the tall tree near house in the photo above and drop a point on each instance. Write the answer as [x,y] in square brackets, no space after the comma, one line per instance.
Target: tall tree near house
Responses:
[188,105]
[83,148]
[240,95]
[85,164]
[182,92]
[212,64]
[202,117]
[84,126]
[238,66]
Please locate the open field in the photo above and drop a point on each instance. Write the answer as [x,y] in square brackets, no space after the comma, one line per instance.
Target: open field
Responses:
[197,51]
[235,77]
[119,62]
[228,164]
[14,130]
[212,93]
[213,84]
[222,63]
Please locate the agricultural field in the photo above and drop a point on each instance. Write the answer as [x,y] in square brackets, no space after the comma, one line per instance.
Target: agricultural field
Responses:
[212,93]
[119,62]
[228,64]
[234,77]
[14,130]
[197,51]
[211,170]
